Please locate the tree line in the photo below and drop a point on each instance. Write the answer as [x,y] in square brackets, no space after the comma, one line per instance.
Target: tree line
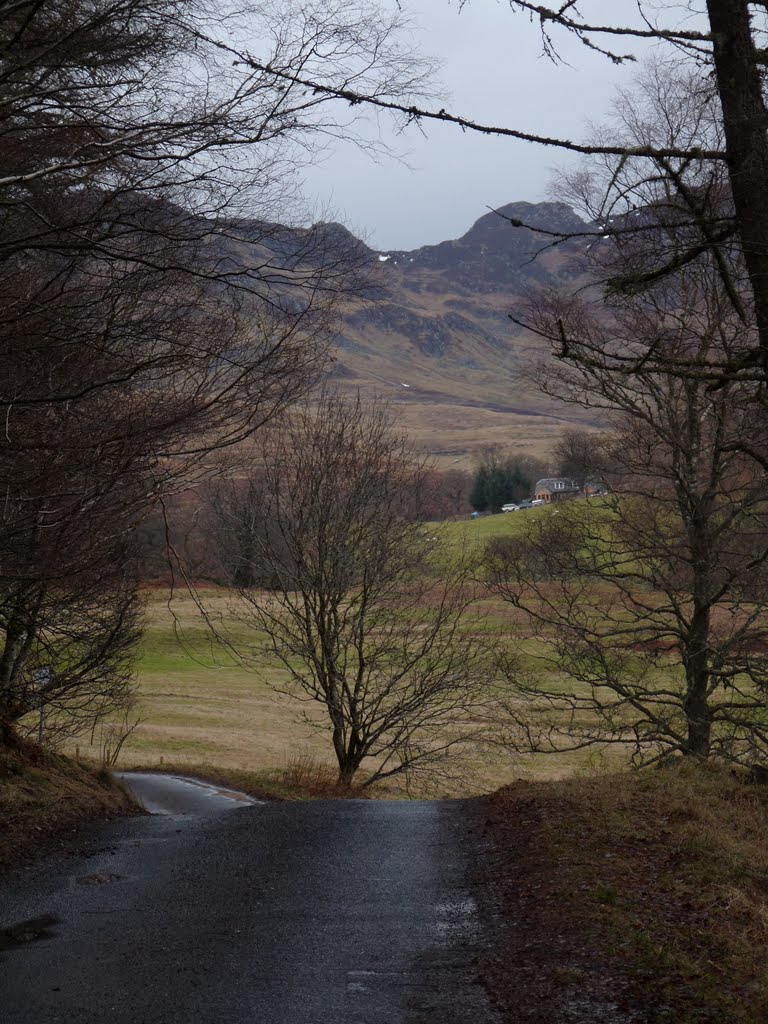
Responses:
[501,478]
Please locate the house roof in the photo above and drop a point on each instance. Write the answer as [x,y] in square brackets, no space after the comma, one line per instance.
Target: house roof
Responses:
[556,483]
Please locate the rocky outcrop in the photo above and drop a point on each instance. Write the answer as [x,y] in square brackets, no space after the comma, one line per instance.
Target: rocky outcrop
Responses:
[498,251]
[450,302]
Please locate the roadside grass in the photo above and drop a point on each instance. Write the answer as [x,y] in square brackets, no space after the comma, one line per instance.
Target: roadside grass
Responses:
[44,795]
[301,778]
[661,875]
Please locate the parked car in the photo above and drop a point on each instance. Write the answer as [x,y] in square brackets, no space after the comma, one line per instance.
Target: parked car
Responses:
[537,501]
[509,507]
[527,503]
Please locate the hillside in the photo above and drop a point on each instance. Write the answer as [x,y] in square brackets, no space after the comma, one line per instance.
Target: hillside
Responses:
[437,341]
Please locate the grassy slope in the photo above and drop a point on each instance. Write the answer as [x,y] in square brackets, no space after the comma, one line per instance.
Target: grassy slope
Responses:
[476,532]
[45,795]
[646,891]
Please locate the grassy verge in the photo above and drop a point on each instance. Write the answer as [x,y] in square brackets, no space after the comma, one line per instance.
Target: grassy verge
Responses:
[303,778]
[646,893]
[43,796]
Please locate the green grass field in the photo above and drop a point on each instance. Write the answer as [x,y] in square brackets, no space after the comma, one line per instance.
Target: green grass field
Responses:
[475,532]
[502,524]
[201,705]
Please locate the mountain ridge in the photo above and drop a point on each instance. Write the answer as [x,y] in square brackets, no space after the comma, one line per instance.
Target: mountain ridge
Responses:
[437,341]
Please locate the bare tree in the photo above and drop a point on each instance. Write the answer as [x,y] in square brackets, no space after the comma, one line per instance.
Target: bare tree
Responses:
[68,653]
[145,173]
[651,603]
[453,491]
[578,455]
[141,100]
[152,310]
[366,614]
[68,605]
[655,218]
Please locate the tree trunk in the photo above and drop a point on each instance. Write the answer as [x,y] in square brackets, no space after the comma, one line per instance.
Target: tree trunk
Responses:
[745,121]
[349,757]
[347,773]
[696,704]
[8,736]
[699,723]
[10,659]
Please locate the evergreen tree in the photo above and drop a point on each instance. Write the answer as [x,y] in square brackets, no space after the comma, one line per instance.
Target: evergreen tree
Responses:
[478,496]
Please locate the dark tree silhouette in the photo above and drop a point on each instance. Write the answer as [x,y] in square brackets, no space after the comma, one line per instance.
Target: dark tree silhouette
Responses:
[152,310]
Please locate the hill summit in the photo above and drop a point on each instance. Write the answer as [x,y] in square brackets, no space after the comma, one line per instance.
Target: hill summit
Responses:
[495,252]
[436,339]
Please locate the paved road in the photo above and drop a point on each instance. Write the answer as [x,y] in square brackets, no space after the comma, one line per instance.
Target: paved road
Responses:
[347,912]
[180,795]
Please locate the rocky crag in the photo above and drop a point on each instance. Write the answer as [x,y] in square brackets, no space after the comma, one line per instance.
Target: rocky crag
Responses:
[435,337]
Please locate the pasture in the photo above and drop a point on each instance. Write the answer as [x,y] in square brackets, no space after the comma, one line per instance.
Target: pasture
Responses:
[200,707]
[203,706]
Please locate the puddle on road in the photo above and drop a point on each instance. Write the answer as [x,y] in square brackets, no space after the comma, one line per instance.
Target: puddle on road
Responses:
[25,932]
[182,795]
[228,794]
[208,788]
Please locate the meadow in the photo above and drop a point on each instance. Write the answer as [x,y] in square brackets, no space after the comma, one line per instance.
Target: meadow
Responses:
[204,708]
[201,704]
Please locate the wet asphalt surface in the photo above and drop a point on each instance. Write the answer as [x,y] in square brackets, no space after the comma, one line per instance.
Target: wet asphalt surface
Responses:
[181,795]
[331,912]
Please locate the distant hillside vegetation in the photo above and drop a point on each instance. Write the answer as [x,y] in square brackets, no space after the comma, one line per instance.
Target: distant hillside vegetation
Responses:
[439,324]
[433,333]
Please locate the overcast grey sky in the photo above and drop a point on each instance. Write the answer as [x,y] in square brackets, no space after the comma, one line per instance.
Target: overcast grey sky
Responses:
[493,71]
